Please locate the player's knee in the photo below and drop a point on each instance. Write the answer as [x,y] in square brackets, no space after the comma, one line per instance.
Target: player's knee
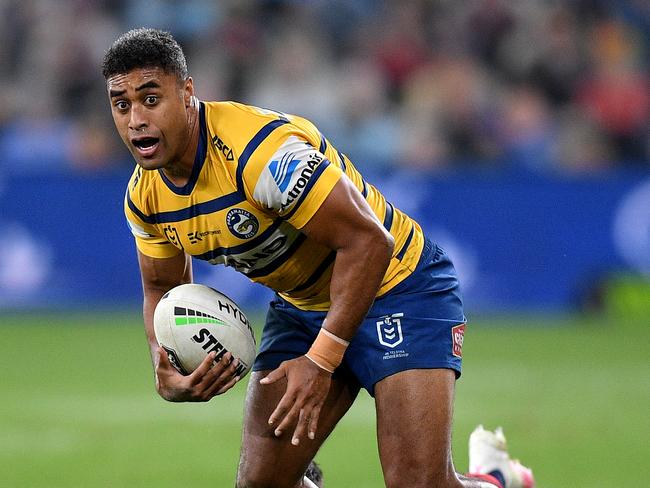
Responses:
[446,483]
[248,479]
[267,478]
[264,483]
[247,482]
[421,477]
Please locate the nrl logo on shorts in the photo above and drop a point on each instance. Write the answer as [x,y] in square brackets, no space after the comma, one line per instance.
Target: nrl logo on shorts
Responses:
[389,330]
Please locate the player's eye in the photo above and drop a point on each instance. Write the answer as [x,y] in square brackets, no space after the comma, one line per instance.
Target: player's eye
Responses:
[151,99]
[121,105]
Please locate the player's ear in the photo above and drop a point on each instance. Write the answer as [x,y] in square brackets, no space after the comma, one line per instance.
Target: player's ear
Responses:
[188,91]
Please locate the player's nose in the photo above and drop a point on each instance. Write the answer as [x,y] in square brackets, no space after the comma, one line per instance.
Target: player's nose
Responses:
[137,120]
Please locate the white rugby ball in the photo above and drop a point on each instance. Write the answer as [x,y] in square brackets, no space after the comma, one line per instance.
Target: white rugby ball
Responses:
[192,320]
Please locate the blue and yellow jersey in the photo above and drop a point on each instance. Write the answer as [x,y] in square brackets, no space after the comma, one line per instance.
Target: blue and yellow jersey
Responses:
[259,176]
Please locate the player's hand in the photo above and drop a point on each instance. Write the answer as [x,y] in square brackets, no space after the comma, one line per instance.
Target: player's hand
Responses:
[300,406]
[206,381]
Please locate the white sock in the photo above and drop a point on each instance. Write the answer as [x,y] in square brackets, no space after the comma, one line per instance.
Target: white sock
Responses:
[307,483]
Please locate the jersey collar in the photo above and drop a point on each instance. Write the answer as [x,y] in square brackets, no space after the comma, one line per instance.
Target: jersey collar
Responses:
[199,159]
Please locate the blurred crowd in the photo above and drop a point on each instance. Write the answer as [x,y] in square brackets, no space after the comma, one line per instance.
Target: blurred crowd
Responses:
[543,86]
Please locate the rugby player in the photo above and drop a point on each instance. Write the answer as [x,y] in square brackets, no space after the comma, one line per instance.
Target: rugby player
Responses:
[364,298]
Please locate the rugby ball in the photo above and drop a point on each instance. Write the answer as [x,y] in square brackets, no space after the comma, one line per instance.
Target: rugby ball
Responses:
[192,320]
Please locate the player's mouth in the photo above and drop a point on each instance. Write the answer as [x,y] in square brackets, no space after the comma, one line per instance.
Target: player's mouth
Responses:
[146,146]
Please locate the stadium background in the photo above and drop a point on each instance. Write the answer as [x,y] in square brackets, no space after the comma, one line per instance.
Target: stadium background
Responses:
[517,133]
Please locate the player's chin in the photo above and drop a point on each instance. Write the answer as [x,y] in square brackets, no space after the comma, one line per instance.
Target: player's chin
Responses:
[150,164]
[149,158]
[155,161]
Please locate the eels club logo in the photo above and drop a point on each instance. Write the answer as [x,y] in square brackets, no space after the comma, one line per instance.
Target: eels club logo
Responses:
[242,223]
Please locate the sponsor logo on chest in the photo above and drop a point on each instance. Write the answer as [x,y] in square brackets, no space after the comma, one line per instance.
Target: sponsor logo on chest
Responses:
[198,236]
[223,148]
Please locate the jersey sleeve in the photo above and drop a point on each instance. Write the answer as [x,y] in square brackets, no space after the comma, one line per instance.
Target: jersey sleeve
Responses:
[295,181]
[147,239]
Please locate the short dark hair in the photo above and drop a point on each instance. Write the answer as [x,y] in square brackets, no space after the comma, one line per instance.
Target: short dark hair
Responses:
[145,48]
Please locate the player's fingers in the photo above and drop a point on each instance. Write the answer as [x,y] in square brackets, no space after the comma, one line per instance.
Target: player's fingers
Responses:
[280,412]
[289,420]
[163,366]
[161,358]
[313,422]
[215,381]
[273,376]
[197,375]
[301,426]
[227,386]
[225,367]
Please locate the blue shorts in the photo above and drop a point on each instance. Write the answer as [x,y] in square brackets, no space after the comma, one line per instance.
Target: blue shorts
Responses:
[419,324]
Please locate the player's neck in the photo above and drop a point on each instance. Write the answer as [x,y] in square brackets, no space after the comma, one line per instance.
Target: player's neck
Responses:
[180,170]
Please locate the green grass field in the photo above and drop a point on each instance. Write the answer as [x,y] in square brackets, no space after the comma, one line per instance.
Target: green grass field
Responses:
[78,407]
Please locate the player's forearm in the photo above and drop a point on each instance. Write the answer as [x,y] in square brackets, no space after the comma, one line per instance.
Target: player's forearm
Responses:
[359,268]
[151,299]
[358,273]
[158,277]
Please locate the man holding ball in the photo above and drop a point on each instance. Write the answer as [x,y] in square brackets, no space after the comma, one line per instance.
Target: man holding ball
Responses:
[364,298]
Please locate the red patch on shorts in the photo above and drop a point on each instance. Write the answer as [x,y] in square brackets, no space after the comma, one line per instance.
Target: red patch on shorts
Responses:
[457,336]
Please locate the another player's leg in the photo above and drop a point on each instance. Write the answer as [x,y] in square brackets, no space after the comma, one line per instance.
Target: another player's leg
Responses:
[270,461]
[314,474]
[488,455]
[414,418]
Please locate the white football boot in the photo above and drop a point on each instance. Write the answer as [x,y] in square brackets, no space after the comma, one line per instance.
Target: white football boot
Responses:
[488,452]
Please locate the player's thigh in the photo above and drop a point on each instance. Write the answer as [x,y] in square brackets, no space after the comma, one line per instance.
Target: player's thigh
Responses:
[414,417]
[267,460]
